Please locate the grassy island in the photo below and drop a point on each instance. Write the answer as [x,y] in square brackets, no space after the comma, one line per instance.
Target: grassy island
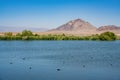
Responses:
[28,35]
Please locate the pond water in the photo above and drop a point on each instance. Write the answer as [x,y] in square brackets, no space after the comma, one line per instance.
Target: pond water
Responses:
[59,60]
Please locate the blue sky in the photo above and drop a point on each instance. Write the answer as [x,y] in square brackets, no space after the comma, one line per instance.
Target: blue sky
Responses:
[53,13]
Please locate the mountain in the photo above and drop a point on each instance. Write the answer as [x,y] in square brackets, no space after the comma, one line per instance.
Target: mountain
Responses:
[81,27]
[19,29]
[75,25]
[108,28]
[111,28]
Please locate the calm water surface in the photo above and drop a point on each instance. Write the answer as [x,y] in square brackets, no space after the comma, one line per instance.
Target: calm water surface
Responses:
[59,60]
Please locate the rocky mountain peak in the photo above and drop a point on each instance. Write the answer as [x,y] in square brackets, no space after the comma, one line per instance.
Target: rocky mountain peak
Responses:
[76,25]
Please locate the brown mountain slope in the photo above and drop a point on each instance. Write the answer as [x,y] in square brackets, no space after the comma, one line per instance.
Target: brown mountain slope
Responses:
[75,25]
[111,28]
[81,27]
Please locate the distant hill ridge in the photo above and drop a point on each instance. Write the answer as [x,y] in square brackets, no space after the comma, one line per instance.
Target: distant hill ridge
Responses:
[80,26]
[75,25]
[108,27]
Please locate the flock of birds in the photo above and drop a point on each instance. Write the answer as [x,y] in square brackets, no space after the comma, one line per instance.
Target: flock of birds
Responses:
[22,59]
[58,69]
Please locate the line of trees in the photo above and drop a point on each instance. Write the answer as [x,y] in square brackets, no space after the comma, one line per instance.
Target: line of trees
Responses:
[28,35]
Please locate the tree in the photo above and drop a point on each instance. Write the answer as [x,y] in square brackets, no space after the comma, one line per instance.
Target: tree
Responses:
[27,33]
[8,34]
[18,34]
[107,36]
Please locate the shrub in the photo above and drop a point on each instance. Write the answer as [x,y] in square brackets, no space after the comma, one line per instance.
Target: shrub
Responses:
[18,34]
[94,37]
[8,34]
[25,38]
[107,36]
[27,33]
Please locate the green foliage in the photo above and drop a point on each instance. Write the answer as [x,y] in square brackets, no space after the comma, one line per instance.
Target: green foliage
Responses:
[94,37]
[26,33]
[3,38]
[25,38]
[8,34]
[118,37]
[10,38]
[18,34]
[36,35]
[107,36]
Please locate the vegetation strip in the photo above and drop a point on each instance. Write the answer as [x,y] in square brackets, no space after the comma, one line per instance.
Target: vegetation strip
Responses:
[28,35]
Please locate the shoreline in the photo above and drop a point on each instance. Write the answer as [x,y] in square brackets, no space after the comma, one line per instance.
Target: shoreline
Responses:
[28,35]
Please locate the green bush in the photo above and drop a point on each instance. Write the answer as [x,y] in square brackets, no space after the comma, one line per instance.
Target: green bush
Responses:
[94,37]
[118,37]
[18,34]
[107,36]
[8,34]
[3,38]
[25,38]
[26,33]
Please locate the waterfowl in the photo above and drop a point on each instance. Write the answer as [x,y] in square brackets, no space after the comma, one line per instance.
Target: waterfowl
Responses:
[58,69]
[11,63]
[30,67]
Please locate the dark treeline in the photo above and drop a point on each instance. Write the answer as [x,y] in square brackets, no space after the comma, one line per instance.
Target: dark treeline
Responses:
[28,35]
